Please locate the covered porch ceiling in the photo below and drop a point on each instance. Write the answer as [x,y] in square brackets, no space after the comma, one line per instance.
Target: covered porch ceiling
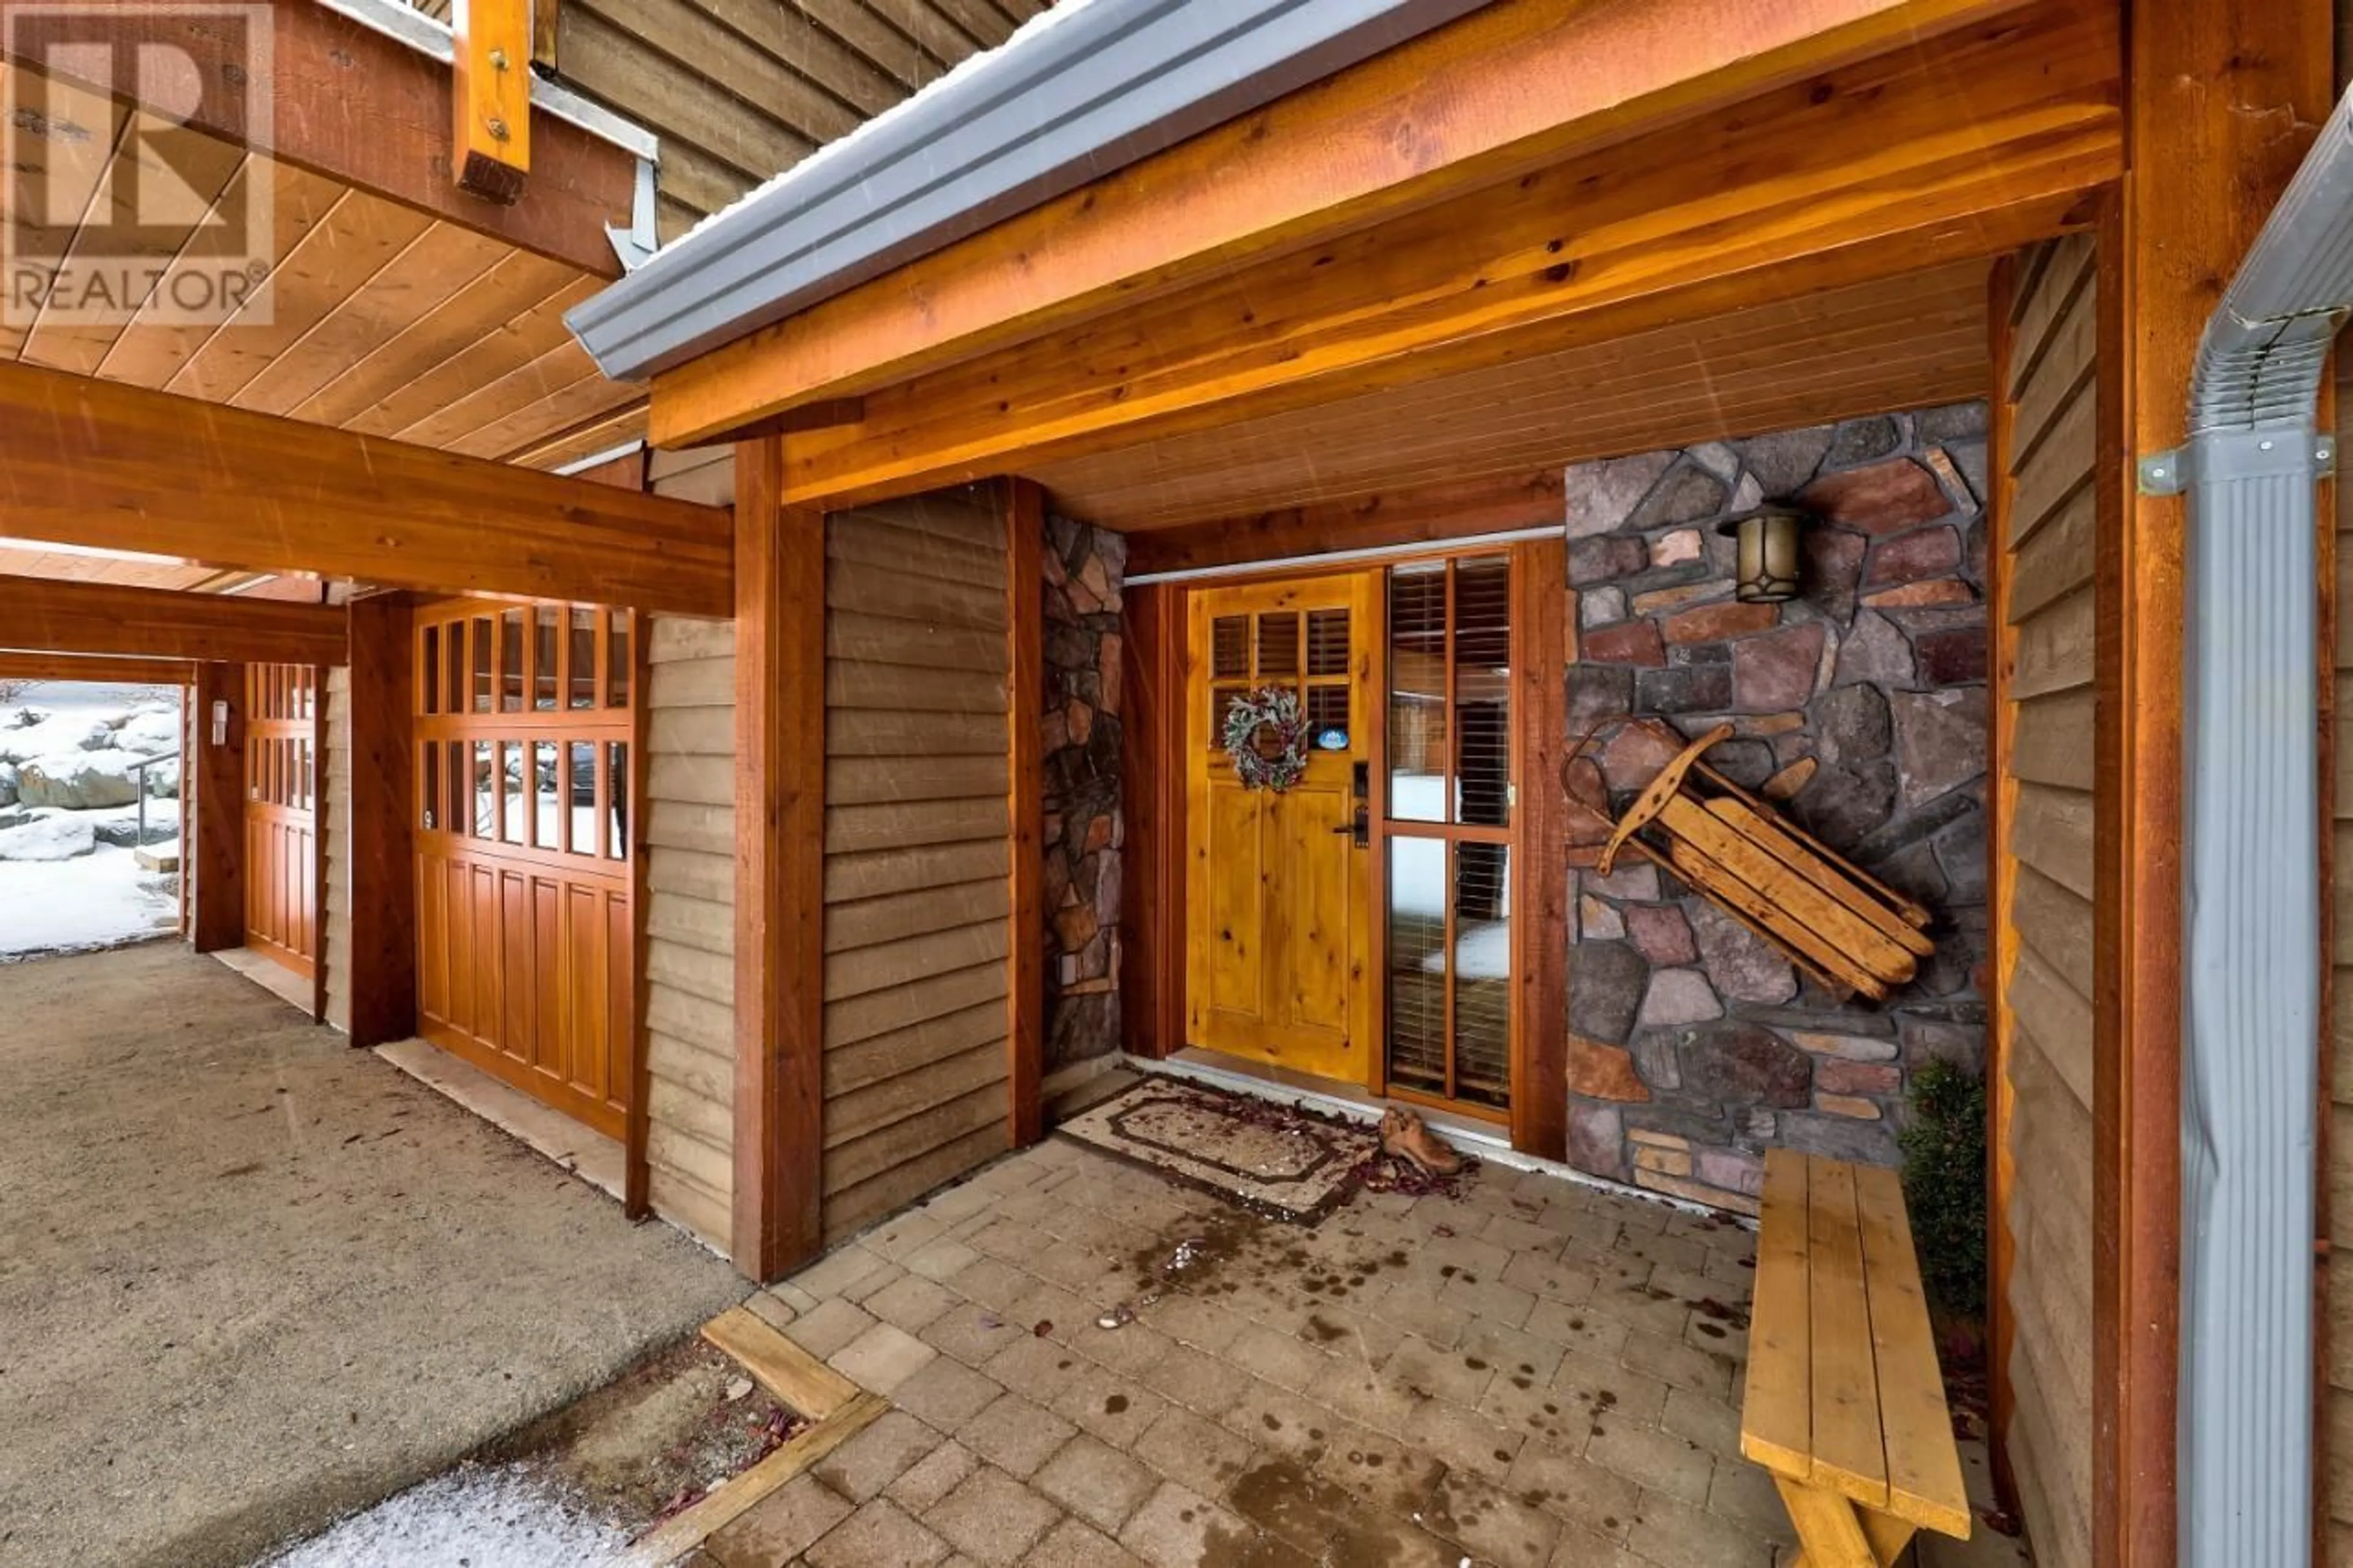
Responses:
[395,305]
[1454,269]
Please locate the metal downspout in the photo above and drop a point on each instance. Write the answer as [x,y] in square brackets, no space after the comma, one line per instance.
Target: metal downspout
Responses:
[2251,967]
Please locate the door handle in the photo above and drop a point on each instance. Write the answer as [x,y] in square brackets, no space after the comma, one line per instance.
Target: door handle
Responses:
[1360,829]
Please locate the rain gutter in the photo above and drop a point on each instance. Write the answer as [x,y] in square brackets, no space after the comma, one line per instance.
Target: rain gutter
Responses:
[1080,91]
[2251,896]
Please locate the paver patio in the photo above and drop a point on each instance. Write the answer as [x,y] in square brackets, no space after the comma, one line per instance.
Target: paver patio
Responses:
[1534,1371]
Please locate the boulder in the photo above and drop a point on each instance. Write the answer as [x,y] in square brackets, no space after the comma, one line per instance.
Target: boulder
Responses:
[122,832]
[49,839]
[7,784]
[84,783]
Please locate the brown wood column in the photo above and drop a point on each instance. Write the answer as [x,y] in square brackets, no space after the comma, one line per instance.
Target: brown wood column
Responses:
[2001,878]
[2222,101]
[1152,782]
[779,868]
[383,807]
[1025,630]
[212,848]
[1540,853]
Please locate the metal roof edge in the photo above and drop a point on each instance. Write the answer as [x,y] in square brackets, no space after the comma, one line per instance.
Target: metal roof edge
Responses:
[1077,94]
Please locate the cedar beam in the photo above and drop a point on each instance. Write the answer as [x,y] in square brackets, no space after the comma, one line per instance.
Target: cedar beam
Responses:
[779,869]
[381,806]
[91,667]
[1540,857]
[1025,630]
[1429,515]
[1884,168]
[489,98]
[93,463]
[1151,763]
[212,842]
[2223,100]
[367,111]
[1518,84]
[40,615]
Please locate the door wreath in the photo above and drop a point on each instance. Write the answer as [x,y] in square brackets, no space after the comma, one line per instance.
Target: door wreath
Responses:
[1266,733]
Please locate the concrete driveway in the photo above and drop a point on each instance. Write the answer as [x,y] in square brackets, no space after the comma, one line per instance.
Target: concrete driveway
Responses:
[251,1279]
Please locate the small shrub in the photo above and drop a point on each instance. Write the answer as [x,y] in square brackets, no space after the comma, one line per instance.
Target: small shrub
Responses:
[1944,1186]
[10,690]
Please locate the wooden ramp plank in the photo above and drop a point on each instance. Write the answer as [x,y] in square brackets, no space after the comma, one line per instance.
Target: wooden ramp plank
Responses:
[1848,1452]
[782,1368]
[1775,1405]
[1923,1465]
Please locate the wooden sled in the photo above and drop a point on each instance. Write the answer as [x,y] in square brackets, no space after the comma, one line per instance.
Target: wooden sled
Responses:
[1847,929]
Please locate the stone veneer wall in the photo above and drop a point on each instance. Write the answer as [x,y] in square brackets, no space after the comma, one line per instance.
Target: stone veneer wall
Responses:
[1694,1046]
[1084,831]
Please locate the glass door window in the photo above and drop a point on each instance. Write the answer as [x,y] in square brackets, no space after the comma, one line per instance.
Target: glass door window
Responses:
[1449,763]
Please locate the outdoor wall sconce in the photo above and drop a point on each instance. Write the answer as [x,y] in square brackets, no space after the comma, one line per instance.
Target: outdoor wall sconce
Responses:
[1768,569]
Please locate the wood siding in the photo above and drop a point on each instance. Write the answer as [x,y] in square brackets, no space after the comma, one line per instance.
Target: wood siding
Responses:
[917,846]
[740,89]
[691,925]
[2045,855]
[335,823]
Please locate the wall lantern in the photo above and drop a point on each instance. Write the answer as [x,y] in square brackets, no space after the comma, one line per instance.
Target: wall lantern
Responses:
[1768,552]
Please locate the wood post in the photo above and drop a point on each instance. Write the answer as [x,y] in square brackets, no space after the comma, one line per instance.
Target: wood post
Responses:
[212,847]
[2001,880]
[1540,855]
[1151,772]
[1025,624]
[779,868]
[2222,101]
[489,98]
[382,805]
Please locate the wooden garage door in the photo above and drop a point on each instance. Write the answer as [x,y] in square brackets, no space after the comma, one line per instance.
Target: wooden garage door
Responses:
[525,799]
[281,813]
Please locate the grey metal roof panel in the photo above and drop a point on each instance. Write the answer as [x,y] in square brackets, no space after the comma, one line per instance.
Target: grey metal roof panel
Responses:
[1080,91]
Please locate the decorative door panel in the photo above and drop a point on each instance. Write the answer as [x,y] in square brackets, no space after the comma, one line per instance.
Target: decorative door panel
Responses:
[1279,880]
[281,813]
[525,736]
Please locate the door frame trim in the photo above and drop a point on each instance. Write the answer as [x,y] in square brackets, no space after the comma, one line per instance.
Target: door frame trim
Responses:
[1154,928]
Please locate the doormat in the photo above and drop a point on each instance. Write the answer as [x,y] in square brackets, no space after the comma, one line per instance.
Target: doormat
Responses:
[1275,1159]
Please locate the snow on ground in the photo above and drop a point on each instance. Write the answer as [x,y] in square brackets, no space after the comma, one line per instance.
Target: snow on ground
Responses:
[63,887]
[475,1516]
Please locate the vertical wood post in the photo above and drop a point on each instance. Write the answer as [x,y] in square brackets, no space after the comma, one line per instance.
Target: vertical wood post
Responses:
[490,97]
[2221,99]
[214,855]
[2001,878]
[383,807]
[1540,853]
[1152,786]
[1025,630]
[779,868]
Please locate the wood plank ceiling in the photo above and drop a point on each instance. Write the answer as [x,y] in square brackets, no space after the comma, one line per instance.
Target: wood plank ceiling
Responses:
[387,322]
[739,91]
[376,318]
[1906,342]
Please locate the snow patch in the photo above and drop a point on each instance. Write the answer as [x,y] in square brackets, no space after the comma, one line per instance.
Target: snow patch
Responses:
[506,1517]
[49,839]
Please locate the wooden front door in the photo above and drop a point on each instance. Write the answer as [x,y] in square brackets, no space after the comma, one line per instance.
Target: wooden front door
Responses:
[281,813]
[525,808]
[1278,956]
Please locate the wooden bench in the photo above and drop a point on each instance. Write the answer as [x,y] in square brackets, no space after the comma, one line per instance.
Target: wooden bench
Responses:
[1844,1404]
